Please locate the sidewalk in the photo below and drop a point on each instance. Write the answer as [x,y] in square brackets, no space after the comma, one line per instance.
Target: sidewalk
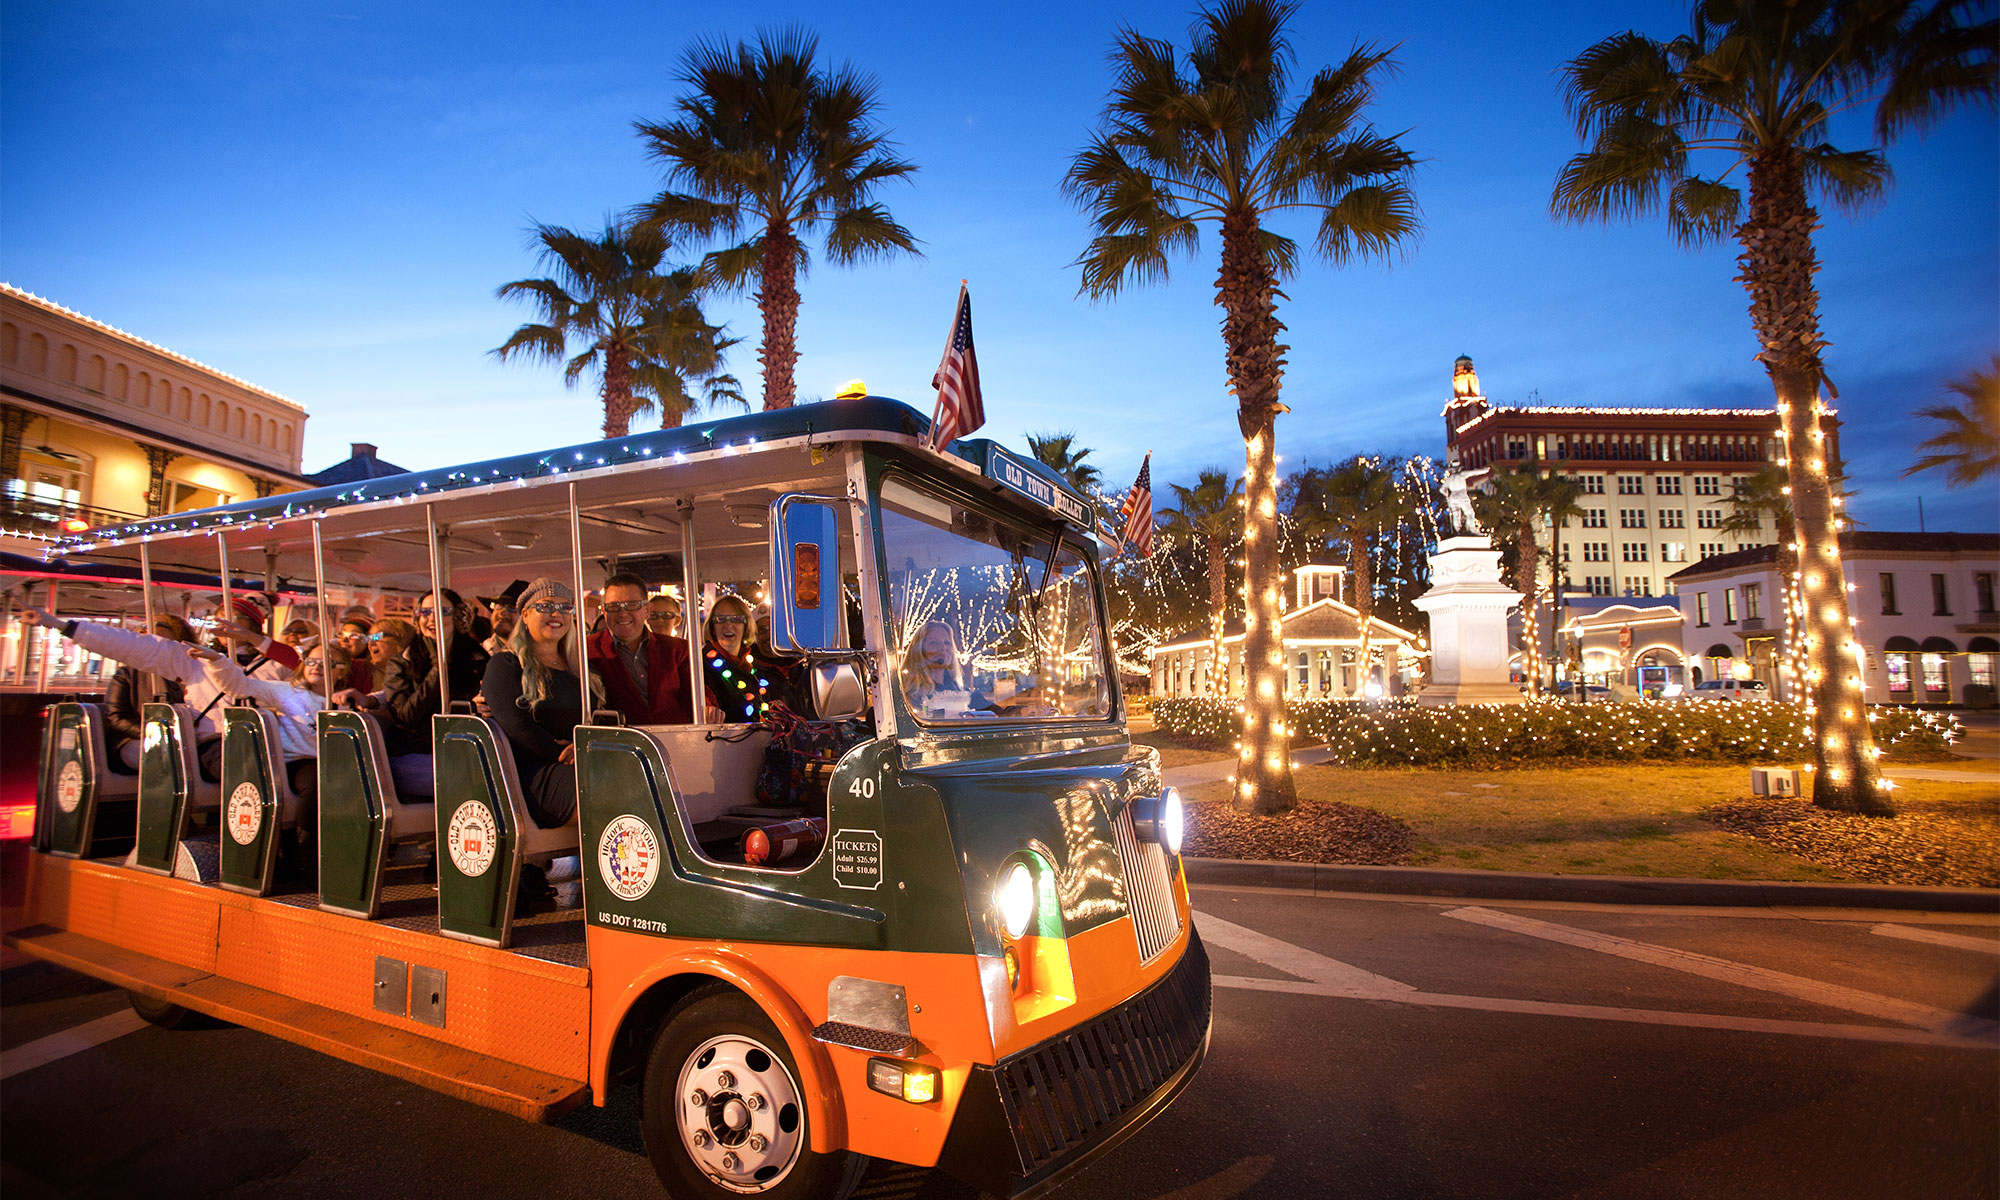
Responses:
[1580,889]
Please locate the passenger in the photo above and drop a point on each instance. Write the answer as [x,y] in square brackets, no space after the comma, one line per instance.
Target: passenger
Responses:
[412,693]
[168,658]
[296,702]
[645,672]
[299,633]
[390,641]
[664,618]
[935,680]
[130,690]
[354,630]
[729,661]
[503,612]
[532,689]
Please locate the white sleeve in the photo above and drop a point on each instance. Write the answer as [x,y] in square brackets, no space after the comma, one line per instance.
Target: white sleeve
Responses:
[142,650]
[230,679]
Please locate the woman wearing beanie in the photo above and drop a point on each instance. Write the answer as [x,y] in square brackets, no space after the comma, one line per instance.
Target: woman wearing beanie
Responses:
[532,690]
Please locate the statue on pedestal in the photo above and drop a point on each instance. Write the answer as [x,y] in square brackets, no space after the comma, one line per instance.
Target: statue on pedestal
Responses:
[1458,500]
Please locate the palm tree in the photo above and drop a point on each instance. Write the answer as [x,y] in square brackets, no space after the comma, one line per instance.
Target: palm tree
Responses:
[1210,513]
[641,331]
[1517,503]
[769,149]
[1967,449]
[1057,452]
[1356,502]
[1755,83]
[1209,135]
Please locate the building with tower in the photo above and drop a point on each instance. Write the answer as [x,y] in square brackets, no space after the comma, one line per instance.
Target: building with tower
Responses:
[1656,481]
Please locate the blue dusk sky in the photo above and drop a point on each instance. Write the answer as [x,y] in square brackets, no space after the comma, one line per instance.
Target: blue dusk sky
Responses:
[322,197]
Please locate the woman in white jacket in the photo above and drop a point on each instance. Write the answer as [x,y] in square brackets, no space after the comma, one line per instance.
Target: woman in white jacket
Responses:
[295,702]
[268,660]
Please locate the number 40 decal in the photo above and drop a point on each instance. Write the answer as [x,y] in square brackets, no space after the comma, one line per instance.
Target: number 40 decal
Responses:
[863,787]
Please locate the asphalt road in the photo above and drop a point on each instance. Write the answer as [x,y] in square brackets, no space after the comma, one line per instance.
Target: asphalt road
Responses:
[1364,1047]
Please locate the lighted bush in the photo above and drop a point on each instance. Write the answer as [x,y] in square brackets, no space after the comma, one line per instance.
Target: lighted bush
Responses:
[1219,723]
[1398,733]
[1713,731]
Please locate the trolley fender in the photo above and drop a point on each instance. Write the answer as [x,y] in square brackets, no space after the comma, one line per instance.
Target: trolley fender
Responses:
[818,1084]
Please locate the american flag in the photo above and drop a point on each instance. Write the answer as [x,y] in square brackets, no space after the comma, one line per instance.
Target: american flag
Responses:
[1137,511]
[959,407]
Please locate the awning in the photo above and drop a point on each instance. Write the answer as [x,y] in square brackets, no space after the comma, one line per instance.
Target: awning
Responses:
[1719,651]
[1901,645]
[1982,645]
[1938,645]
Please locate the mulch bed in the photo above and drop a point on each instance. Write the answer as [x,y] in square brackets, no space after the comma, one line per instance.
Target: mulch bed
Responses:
[1315,832]
[1935,844]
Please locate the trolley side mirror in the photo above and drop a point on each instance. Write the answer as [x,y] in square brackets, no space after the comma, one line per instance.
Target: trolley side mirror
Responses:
[806,612]
[837,691]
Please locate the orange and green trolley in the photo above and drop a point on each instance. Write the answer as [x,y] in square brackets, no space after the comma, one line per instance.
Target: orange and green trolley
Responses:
[977,953]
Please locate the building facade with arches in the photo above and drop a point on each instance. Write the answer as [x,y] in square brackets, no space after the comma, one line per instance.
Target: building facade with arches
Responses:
[98,426]
[1923,606]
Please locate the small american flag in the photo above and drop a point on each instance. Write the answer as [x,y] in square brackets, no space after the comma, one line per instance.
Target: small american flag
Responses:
[1138,511]
[959,407]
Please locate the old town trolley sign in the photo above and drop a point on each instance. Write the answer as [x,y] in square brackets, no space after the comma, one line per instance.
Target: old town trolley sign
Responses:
[967,945]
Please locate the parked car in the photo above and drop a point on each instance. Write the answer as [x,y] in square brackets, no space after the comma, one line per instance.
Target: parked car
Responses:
[1730,689]
[1592,692]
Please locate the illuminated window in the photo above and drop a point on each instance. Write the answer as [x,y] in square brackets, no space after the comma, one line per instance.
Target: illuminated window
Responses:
[1673,552]
[1701,608]
[1898,667]
[1979,670]
[1753,601]
[1729,606]
[1937,681]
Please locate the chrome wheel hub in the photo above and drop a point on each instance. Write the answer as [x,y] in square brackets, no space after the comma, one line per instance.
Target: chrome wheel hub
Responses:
[740,1117]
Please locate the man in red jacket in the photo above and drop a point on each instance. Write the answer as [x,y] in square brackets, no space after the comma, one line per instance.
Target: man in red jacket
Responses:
[645,673]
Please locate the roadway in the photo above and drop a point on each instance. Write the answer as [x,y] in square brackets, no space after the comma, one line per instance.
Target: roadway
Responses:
[1364,1046]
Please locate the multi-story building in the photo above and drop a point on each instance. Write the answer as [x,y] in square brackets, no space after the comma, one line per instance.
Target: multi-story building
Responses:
[101,426]
[1923,606]
[1656,481]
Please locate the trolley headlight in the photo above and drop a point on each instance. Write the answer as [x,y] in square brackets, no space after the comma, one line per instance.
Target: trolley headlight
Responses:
[1160,819]
[1014,899]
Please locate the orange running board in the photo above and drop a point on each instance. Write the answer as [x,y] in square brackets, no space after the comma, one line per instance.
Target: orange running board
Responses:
[522,1091]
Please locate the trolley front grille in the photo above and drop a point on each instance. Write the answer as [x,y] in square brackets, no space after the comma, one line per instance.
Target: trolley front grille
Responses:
[1060,1093]
[1149,890]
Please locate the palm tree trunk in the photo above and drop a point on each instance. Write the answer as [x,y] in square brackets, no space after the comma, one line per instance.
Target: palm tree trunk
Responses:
[617,391]
[1530,555]
[1250,327]
[1778,266]
[1218,601]
[778,299]
[1364,606]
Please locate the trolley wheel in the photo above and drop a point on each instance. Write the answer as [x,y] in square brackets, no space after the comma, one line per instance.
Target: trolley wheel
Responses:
[166,1014]
[722,1112]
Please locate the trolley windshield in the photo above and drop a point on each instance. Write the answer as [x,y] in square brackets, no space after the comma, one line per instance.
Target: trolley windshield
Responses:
[989,620]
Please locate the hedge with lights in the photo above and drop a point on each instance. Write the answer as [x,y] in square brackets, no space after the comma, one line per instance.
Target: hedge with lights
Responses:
[1218,723]
[1549,730]
[1398,733]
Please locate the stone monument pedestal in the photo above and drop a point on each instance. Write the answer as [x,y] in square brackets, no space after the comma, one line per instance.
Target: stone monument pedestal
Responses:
[1468,607]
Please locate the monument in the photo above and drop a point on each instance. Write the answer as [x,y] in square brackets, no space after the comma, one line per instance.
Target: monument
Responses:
[1467,603]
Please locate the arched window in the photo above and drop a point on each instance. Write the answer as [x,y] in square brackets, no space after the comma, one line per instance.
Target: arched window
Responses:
[288,447]
[187,404]
[257,428]
[207,407]
[10,341]
[66,363]
[239,424]
[121,380]
[145,390]
[38,354]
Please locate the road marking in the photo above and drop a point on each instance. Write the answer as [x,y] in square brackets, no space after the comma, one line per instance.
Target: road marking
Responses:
[43,1051]
[1956,941]
[1637,1016]
[1338,977]
[1923,1016]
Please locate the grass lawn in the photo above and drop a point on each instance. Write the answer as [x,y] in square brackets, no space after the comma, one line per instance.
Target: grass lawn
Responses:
[1172,753]
[1609,820]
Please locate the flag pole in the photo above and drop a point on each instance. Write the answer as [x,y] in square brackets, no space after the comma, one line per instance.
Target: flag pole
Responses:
[937,408]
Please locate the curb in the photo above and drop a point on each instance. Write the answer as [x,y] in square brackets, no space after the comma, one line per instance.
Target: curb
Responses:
[1584,889]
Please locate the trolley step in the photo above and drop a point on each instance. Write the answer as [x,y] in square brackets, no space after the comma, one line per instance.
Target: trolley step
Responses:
[522,1091]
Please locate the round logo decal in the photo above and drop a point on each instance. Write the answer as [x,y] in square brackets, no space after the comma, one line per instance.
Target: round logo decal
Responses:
[628,856]
[69,787]
[472,833]
[246,813]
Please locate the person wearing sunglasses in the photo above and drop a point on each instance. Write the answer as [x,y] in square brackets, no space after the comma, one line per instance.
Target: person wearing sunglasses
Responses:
[729,661]
[531,688]
[645,670]
[299,634]
[663,616]
[352,637]
[412,692]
